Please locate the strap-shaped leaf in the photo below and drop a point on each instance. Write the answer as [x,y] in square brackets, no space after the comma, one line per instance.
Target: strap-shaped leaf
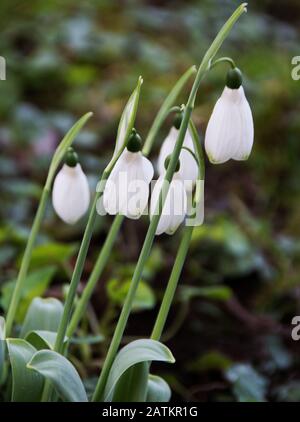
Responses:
[128,118]
[143,350]
[2,328]
[64,145]
[42,314]
[133,384]
[61,373]
[158,390]
[42,339]
[2,345]
[27,385]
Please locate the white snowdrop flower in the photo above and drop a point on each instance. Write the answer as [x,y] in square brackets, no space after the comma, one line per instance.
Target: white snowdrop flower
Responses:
[230,131]
[127,188]
[175,206]
[70,193]
[188,166]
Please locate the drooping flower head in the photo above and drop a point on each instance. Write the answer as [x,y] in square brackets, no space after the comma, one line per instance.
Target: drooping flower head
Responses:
[71,194]
[175,206]
[127,188]
[229,133]
[188,166]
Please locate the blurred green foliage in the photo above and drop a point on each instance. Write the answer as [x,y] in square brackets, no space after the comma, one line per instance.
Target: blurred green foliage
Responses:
[231,323]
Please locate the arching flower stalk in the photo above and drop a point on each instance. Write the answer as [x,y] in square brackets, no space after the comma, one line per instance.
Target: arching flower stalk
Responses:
[104,254]
[71,194]
[55,162]
[127,306]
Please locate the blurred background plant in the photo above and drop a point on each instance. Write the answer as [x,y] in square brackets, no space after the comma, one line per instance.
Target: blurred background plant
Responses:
[230,328]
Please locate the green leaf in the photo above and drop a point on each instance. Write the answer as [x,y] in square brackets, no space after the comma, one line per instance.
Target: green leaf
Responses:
[27,385]
[221,293]
[164,110]
[2,328]
[128,118]
[132,385]
[144,298]
[61,373]
[2,345]
[51,254]
[248,385]
[42,339]
[35,284]
[42,314]
[138,351]
[158,390]
[63,146]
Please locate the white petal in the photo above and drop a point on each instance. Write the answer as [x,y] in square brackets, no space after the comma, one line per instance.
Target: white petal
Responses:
[224,128]
[166,149]
[174,208]
[246,140]
[188,166]
[110,194]
[148,169]
[70,194]
[127,188]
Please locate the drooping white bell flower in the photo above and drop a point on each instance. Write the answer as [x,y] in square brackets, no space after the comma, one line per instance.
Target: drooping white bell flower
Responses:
[188,166]
[175,206]
[230,131]
[70,193]
[127,188]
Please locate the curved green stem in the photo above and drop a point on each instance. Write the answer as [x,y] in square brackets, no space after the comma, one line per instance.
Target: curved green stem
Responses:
[223,60]
[117,337]
[155,220]
[116,340]
[57,157]
[61,332]
[164,111]
[192,154]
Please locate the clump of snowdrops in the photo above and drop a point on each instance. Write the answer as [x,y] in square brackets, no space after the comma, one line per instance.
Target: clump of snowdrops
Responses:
[34,364]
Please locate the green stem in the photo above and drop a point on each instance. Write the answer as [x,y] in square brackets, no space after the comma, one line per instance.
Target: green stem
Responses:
[61,332]
[113,232]
[223,60]
[183,247]
[96,273]
[116,340]
[165,109]
[77,274]
[172,284]
[59,342]
[56,160]
[26,260]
